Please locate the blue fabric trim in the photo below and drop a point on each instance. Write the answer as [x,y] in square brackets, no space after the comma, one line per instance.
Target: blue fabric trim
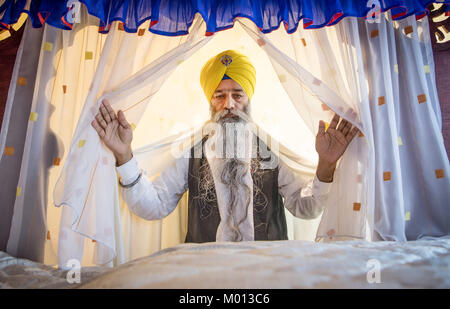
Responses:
[225,76]
[174,17]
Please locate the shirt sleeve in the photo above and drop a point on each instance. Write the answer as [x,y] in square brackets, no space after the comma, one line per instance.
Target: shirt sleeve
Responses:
[302,197]
[154,200]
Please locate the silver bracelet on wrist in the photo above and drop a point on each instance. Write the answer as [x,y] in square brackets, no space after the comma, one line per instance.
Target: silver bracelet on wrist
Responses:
[131,184]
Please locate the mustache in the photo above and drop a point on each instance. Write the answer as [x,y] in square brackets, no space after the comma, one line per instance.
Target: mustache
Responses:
[236,115]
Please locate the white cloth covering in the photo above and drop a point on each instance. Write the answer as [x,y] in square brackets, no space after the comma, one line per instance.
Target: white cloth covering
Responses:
[154,200]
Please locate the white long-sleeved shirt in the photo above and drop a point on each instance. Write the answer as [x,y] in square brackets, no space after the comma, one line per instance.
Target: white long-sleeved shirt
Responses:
[154,200]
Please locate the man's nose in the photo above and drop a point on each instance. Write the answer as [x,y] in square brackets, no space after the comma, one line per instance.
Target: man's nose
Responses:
[229,103]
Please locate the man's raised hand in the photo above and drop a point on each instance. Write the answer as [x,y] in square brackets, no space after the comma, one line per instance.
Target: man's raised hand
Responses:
[331,145]
[114,131]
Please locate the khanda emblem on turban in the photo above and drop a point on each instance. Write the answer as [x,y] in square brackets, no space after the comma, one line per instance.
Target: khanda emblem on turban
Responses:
[226,60]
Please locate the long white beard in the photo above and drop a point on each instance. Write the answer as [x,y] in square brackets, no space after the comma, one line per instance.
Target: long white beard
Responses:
[229,153]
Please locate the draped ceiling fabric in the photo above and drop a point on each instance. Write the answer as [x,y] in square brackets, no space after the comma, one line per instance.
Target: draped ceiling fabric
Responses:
[379,76]
[172,17]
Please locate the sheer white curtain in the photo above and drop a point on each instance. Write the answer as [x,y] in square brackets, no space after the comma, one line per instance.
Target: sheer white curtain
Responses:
[56,75]
[74,69]
[130,72]
[306,79]
[389,183]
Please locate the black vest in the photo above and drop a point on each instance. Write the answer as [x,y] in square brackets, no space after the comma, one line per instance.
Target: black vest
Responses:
[203,213]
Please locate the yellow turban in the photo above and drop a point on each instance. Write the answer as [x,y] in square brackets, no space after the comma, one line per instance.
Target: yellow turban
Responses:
[235,65]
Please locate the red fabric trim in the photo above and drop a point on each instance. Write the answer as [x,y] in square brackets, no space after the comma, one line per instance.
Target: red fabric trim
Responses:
[306,25]
[102,28]
[335,16]
[42,19]
[376,13]
[5,25]
[421,15]
[401,13]
[65,22]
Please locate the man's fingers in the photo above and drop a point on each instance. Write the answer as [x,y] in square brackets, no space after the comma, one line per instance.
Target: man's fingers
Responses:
[98,128]
[342,125]
[105,113]
[101,121]
[109,109]
[122,120]
[346,128]
[352,134]
[321,127]
[334,121]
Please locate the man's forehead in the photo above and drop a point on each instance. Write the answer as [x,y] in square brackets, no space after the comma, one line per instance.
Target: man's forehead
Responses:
[229,89]
[228,85]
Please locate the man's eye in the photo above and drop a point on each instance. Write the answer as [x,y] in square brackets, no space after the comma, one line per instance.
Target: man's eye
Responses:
[220,96]
[238,96]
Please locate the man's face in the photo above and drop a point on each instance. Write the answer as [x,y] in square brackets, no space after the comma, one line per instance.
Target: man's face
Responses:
[229,95]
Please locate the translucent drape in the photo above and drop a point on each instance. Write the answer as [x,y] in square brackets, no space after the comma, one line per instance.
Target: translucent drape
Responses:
[314,100]
[57,85]
[128,79]
[388,178]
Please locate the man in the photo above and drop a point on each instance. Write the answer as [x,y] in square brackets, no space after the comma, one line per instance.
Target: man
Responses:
[231,197]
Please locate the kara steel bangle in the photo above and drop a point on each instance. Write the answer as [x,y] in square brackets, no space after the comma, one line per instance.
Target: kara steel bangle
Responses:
[131,184]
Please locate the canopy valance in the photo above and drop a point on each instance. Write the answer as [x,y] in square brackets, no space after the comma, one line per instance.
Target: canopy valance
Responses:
[173,17]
